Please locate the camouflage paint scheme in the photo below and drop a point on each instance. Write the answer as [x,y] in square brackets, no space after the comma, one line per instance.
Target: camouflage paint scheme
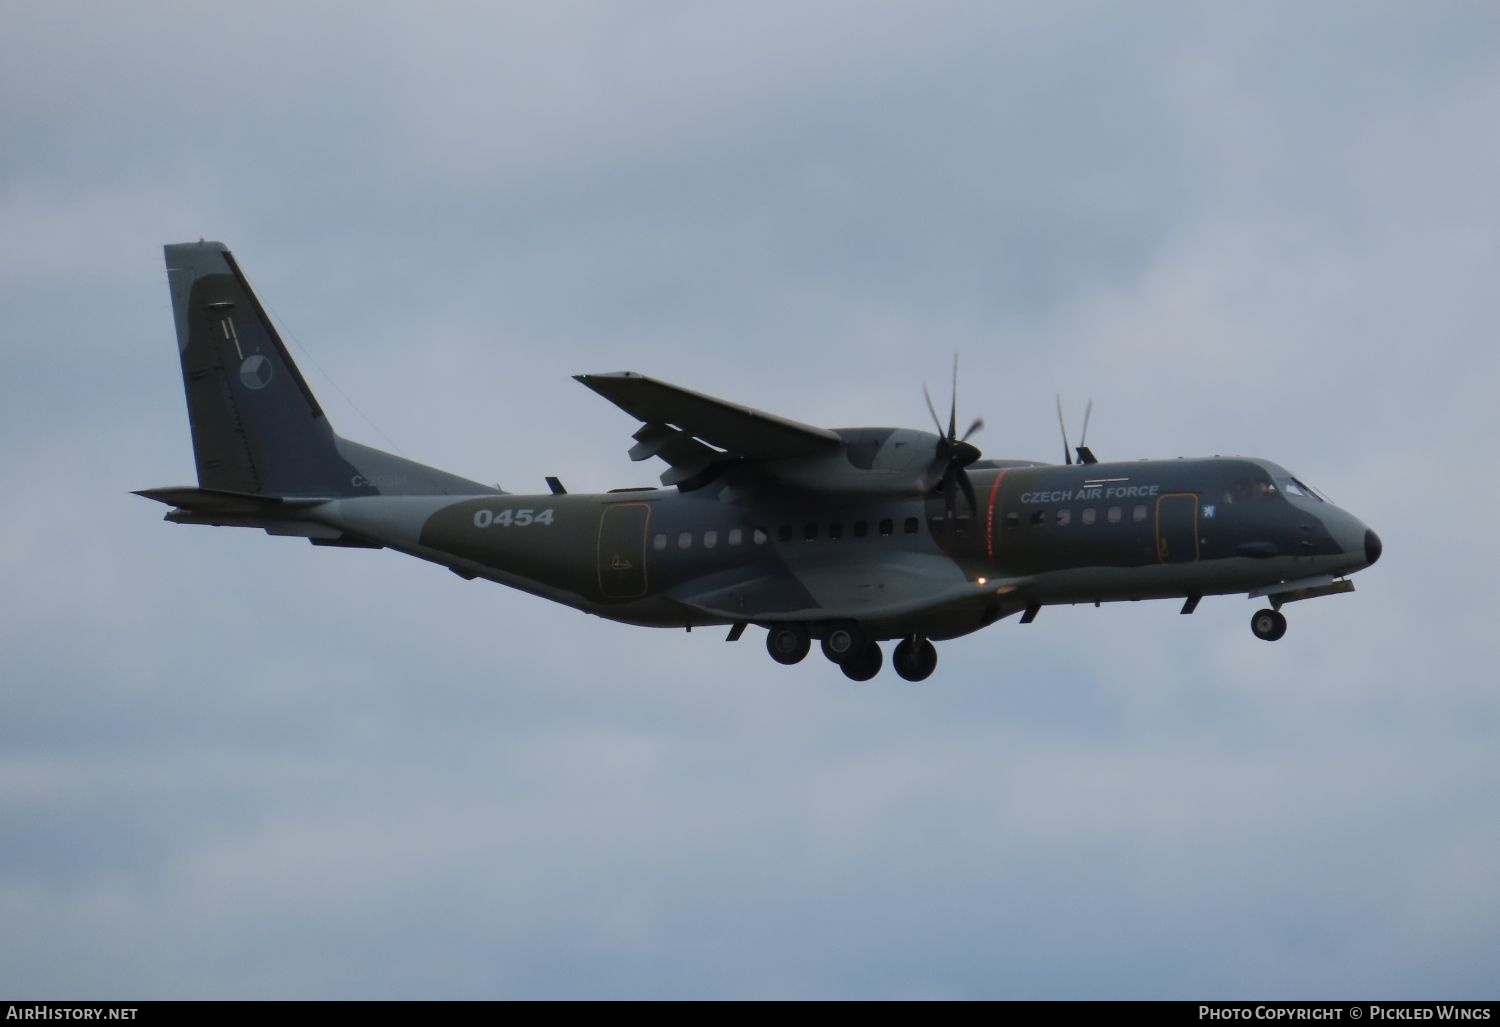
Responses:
[849,536]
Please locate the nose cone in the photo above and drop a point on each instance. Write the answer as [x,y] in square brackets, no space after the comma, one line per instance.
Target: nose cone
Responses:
[1372,547]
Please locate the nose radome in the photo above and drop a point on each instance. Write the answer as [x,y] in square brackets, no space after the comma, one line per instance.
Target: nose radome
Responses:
[1372,546]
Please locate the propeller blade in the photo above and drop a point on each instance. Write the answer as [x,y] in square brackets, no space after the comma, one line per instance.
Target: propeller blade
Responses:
[1067,453]
[937,423]
[976,426]
[953,407]
[1084,438]
[968,486]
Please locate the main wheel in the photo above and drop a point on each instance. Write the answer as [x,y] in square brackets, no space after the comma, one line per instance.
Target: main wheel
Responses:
[915,658]
[787,643]
[1268,625]
[863,665]
[841,642]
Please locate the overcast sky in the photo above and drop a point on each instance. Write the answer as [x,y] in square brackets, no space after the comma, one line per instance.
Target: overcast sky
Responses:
[238,766]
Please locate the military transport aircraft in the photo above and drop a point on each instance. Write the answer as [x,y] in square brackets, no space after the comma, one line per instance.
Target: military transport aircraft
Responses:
[849,537]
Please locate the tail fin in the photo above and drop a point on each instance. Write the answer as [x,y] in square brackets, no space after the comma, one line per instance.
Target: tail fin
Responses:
[257,428]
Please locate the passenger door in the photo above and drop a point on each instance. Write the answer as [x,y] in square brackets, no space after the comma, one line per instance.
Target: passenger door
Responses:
[622,550]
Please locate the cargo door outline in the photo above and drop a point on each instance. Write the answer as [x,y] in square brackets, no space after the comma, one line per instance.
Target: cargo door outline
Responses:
[621,554]
[1177,527]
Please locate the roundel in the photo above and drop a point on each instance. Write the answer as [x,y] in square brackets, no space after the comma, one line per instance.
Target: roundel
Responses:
[255,372]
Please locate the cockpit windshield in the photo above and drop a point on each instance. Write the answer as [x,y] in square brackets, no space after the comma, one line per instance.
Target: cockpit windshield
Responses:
[1292,487]
[1267,481]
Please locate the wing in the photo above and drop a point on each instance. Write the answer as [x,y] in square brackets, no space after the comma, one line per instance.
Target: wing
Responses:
[692,432]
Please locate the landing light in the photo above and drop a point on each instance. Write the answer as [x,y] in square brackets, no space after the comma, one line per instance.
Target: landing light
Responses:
[983,580]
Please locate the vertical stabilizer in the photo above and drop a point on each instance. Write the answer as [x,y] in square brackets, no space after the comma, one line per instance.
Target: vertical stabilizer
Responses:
[257,427]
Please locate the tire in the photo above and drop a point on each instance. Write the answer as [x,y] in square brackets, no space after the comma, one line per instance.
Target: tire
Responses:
[915,658]
[865,664]
[1268,625]
[841,642]
[787,643]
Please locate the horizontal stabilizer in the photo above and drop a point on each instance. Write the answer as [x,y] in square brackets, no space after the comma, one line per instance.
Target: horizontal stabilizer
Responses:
[276,515]
[196,500]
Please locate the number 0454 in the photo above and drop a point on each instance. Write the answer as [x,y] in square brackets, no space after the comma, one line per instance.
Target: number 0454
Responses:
[511,518]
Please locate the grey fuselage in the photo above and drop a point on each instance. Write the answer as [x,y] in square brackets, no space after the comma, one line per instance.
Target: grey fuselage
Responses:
[1043,534]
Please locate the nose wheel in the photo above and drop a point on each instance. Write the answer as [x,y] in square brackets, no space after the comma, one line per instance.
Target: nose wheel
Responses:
[1268,625]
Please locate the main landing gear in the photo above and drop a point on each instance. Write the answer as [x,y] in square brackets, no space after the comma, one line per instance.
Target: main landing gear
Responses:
[1268,625]
[788,643]
[864,663]
[915,658]
[857,655]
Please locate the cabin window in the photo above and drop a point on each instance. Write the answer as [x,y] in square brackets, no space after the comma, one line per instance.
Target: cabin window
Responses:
[1064,518]
[809,533]
[760,536]
[710,539]
[861,529]
[736,536]
[685,540]
[1114,515]
[887,527]
[1038,518]
[961,524]
[910,527]
[1139,513]
[659,543]
[785,533]
[1012,520]
[835,531]
[1089,513]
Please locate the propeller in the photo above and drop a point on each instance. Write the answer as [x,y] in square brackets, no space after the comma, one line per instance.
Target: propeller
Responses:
[954,452]
[1062,427]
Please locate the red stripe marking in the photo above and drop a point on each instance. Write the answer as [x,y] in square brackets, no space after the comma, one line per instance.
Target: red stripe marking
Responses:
[989,520]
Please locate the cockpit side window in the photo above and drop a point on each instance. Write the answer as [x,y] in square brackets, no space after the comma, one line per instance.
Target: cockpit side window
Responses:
[1249,487]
